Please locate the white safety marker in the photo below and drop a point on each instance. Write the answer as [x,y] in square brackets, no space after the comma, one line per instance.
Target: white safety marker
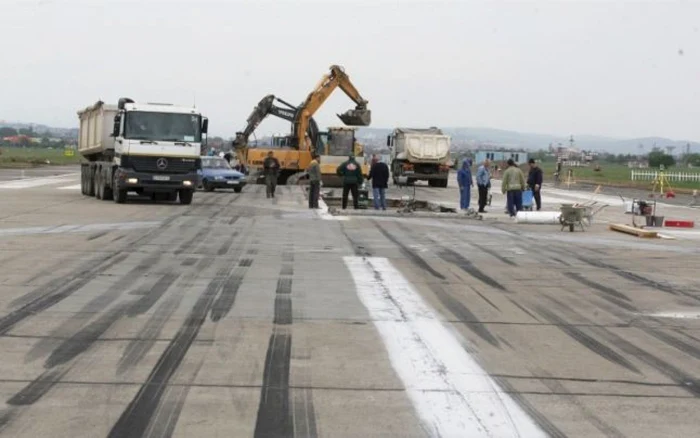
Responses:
[451,393]
[73,187]
[120,226]
[36,182]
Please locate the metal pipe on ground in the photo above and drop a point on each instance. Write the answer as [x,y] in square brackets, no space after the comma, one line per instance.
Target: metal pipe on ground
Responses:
[537,217]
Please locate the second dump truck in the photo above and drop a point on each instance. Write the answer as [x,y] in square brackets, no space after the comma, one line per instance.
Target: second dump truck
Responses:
[420,154]
[151,149]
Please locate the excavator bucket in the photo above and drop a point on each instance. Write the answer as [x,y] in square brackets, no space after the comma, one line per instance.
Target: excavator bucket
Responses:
[356,117]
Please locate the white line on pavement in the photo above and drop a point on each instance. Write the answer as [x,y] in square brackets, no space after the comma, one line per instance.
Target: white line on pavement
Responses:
[35,182]
[73,187]
[78,228]
[325,215]
[452,394]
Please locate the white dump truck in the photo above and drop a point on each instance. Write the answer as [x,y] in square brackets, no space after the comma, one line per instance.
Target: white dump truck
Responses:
[420,154]
[152,149]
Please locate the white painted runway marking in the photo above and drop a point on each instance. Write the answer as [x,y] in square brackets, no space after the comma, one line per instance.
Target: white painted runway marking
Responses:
[78,228]
[677,315]
[325,215]
[452,394]
[35,182]
[73,187]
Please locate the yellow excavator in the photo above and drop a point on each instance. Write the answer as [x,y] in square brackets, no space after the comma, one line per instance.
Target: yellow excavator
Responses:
[294,151]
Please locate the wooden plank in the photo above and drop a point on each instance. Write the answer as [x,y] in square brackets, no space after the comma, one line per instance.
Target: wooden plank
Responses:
[633,231]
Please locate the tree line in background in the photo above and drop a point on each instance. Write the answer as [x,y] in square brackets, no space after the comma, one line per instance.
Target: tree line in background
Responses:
[26,137]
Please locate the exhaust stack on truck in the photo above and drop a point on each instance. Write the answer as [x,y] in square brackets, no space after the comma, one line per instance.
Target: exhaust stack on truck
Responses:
[146,148]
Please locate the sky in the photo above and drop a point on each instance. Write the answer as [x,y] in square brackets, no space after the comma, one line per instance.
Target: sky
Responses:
[614,68]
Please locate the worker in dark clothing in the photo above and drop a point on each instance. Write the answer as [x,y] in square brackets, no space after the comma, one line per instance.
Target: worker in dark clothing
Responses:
[534,182]
[271,170]
[379,175]
[314,172]
[351,173]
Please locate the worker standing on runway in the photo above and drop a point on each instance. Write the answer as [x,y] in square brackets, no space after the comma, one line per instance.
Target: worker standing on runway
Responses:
[534,181]
[464,179]
[271,169]
[314,172]
[351,173]
[379,175]
[483,183]
[512,186]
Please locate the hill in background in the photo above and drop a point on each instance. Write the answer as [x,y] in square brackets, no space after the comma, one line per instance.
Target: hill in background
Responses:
[474,138]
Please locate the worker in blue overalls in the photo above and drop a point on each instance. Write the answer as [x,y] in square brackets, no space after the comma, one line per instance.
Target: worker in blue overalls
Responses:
[464,179]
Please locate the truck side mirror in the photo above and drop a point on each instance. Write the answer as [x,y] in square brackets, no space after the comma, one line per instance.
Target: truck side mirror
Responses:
[205,125]
[388,141]
[117,124]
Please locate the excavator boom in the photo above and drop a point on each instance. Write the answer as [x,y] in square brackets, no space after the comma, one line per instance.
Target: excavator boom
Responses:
[360,116]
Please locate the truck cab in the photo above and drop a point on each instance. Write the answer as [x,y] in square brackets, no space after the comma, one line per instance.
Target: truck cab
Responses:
[147,148]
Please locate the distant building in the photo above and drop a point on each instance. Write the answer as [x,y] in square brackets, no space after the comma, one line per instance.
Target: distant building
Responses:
[520,157]
[638,164]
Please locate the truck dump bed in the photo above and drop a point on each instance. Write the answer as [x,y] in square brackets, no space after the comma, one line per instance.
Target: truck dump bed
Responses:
[96,124]
[422,145]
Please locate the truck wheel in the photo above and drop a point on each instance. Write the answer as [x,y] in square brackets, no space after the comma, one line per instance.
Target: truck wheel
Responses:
[98,185]
[172,196]
[118,195]
[90,181]
[83,180]
[106,189]
[207,187]
[237,189]
[186,197]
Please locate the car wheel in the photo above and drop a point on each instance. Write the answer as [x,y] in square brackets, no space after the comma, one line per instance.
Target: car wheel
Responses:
[237,189]
[207,186]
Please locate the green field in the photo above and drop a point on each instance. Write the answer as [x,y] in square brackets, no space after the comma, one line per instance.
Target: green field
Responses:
[615,175]
[17,157]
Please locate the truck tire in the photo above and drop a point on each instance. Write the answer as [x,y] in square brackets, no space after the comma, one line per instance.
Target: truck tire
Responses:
[107,194]
[172,196]
[90,180]
[207,187]
[186,197]
[237,189]
[97,182]
[118,195]
[83,180]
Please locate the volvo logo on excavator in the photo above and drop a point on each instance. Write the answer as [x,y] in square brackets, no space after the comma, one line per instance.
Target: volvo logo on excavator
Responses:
[162,163]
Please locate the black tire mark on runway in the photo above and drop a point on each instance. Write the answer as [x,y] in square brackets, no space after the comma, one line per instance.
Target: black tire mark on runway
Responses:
[223,305]
[97,235]
[558,388]
[406,251]
[244,263]
[188,243]
[539,418]
[53,295]
[465,265]
[587,341]
[597,286]
[223,249]
[274,416]
[676,343]
[359,249]
[136,417]
[689,383]
[284,286]
[95,305]
[31,393]
[463,314]
[483,297]
[494,254]
[524,309]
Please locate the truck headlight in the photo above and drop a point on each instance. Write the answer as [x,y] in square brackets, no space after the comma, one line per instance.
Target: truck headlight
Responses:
[187,183]
[132,180]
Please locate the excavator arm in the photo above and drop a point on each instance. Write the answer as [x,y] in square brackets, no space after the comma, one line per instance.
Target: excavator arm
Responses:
[337,77]
[266,107]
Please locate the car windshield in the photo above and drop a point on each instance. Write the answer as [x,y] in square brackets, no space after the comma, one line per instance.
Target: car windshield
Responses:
[215,163]
[142,125]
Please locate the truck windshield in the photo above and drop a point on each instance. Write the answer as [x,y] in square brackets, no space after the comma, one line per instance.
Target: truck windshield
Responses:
[142,125]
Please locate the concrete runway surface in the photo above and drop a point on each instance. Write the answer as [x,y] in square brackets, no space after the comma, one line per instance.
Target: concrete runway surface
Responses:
[241,316]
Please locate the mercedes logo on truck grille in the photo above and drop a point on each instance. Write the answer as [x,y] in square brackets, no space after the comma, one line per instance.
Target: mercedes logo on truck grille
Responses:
[162,163]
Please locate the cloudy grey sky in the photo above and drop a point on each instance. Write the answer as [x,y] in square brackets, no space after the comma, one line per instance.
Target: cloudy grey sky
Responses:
[622,69]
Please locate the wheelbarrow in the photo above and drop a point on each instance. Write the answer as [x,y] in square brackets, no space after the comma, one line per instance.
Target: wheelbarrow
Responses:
[571,216]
